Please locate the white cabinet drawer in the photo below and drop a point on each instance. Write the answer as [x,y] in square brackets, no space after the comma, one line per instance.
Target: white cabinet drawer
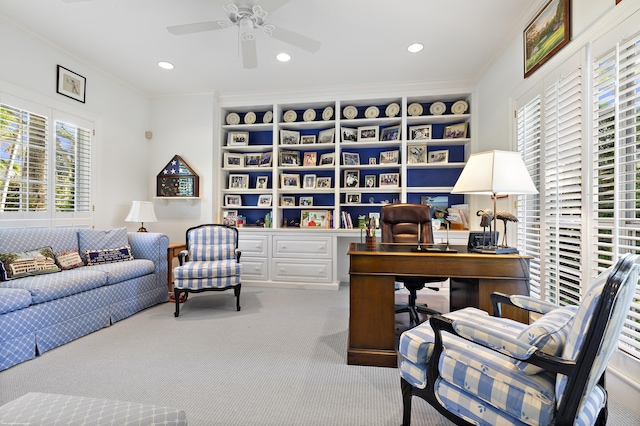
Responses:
[254,268]
[253,245]
[300,247]
[301,270]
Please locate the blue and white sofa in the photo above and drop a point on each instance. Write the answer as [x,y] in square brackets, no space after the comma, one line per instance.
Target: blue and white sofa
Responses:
[38,312]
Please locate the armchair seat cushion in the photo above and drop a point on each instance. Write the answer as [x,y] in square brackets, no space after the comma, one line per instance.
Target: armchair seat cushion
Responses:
[207,274]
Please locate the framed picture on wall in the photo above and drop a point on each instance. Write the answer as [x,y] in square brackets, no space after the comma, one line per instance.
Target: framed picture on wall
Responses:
[546,34]
[71,85]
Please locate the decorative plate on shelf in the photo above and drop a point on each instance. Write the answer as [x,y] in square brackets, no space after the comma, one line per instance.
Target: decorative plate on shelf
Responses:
[250,117]
[415,109]
[392,110]
[233,118]
[268,116]
[309,115]
[459,107]
[290,116]
[437,108]
[372,112]
[327,113]
[350,112]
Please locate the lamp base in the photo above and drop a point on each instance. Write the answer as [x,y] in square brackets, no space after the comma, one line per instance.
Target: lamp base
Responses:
[495,250]
[142,229]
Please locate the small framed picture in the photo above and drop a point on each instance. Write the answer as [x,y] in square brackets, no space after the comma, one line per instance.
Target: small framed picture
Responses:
[238,139]
[350,159]
[232,200]
[238,181]
[252,160]
[265,200]
[262,182]
[370,181]
[289,158]
[368,133]
[390,133]
[233,160]
[289,181]
[323,182]
[306,201]
[417,154]
[352,198]
[439,156]
[348,134]
[419,133]
[265,159]
[351,178]
[289,137]
[310,158]
[326,136]
[389,179]
[315,218]
[373,161]
[455,131]
[71,85]
[287,201]
[327,159]
[307,139]
[230,217]
[389,157]
[309,181]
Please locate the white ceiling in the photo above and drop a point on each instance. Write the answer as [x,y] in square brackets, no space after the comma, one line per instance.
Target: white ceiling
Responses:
[363,42]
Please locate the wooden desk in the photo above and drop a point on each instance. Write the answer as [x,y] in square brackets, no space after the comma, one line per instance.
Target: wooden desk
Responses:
[372,276]
[172,252]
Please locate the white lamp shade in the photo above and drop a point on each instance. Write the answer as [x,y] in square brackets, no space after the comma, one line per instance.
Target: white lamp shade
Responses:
[141,211]
[494,172]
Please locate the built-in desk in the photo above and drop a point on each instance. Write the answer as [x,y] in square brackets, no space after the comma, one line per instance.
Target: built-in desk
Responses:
[372,275]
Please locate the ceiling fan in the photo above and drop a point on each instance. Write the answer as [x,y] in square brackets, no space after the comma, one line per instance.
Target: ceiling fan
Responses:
[248,16]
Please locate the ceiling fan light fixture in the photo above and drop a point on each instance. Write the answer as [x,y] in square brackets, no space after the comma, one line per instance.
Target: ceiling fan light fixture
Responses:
[415,47]
[166,65]
[283,57]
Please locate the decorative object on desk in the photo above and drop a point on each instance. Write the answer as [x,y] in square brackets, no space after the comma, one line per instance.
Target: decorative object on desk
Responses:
[392,110]
[415,109]
[505,217]
[309,115]
[177,179]
[327,113]
[368,133]
[372,112]
[390,133]
[350,112]
[141,211]
[459,107]
[437,108]
[238,139]
[233,119]
[455,131]
[486,216]
[71,85]
[495,173]
[250,117]
[546,34]
[290,116]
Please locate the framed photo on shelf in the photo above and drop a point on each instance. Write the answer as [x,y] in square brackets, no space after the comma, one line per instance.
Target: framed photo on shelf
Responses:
[233,160]
[230,217]
[390,133]
[310,159]
[262,182]
[348,134]
[350,159]
[389,179]
[287,201]
[327,159]
[323,182]
[326,136]
[238,181]
[232,200]
[373,161]
[370,181]
[289,137]
[549,32]
[352,198]
[351,178]
[238,139]
[265,200]
[289,158]
[419,133]
[417,154]
[71,85]
[315,218]
[309,182]
[439,156]
[368,133]
[252,160]
[307,139]
[389,157]
[306,201]
[455,131]
[265,159]
[289,181]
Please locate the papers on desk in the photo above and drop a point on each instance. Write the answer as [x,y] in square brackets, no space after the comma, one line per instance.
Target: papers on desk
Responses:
[459,213]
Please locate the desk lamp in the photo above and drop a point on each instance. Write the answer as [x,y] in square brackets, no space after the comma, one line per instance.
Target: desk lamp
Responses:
[495,173]
[141,211]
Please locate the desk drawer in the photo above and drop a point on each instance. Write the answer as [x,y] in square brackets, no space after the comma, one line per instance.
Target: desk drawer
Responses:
[254,268]
[292,247]
[301,270]
[253,246]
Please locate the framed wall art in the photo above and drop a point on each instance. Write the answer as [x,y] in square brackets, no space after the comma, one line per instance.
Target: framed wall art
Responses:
[71,85]
[547,33]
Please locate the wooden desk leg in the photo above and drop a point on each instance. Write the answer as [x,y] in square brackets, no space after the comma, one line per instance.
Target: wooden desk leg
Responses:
[372,321]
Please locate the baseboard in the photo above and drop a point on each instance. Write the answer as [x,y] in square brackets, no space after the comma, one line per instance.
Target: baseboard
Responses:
[623,389]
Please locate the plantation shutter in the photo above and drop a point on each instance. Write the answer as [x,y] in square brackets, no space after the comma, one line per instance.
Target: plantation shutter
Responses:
[73,168]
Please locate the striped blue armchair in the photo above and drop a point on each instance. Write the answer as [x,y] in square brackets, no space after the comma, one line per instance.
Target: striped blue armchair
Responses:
[210,263]
[495,371]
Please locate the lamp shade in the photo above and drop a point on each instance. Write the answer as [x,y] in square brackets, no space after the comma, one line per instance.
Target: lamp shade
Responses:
[494,172]
[141,211]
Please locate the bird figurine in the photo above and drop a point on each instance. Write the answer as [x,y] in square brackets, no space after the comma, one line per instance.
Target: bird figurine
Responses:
[486,216]
[505,217]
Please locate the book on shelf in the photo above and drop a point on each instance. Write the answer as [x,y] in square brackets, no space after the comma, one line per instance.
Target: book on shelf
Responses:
[346,220]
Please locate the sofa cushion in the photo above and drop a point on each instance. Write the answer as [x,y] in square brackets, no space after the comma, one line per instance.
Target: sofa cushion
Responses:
[27,239]
[123,271]
[13,299]
[69,259]
[23,264]
[99,239]
[98,257]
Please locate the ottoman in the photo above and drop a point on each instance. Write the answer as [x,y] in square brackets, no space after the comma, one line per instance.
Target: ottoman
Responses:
[51,409]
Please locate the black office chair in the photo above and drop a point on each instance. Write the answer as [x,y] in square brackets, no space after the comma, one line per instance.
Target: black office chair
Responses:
[399,224]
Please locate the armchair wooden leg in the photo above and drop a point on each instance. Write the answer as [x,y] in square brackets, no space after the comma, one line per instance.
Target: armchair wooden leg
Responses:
[236,291]
[176,296]
[407,392]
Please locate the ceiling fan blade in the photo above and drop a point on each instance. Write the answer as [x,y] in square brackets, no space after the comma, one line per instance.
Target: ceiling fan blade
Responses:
[249,53]
[198,27]
[298,40]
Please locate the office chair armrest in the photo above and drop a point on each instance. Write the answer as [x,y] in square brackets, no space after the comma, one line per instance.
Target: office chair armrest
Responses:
[183,257]
[519,301]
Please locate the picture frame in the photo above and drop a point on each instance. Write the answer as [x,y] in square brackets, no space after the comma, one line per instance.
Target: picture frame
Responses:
[327,159]
[265,159]
[352,198]
[232,200]
[370,181]
[350,159]
[389,157]
[287,201]
[546,34]
[288,180]
[238,139]
[389,179]
[307,139]
[323,182]
[327,136]
[238,181]
[368,133]
[262,182]
[233,160]
[289,137]
[391,133]
[309,181]
[348,134]
[315,218]
[306,201]
[455,131]
[289,158]
[352,178]
[252,160]
[441,156]
[416,154]
[230,217]
[71,84]
[373,161]
[419,133]
[310,159]
[265,200]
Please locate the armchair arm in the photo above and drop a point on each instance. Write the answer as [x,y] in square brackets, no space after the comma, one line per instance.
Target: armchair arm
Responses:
[183,257]
[519,301]
[238,254]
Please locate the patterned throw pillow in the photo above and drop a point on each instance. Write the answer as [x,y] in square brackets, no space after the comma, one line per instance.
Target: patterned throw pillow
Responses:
[69,259]
[99,239]
[99,257]
[18,265]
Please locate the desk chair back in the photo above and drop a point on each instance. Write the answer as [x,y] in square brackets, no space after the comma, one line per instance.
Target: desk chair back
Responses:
[400,223]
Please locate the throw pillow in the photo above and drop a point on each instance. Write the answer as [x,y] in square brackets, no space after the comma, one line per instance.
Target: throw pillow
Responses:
[98,239]
[69,259]
[99,257]
[18,265]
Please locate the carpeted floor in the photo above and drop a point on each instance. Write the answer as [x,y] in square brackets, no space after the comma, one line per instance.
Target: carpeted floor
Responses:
[280,361]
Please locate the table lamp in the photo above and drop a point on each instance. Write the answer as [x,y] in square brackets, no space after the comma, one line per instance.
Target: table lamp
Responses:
[495,173]
[141,211]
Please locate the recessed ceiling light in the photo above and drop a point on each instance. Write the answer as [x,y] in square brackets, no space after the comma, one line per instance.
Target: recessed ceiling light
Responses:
[165,65]
[283,57]
[415,47]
